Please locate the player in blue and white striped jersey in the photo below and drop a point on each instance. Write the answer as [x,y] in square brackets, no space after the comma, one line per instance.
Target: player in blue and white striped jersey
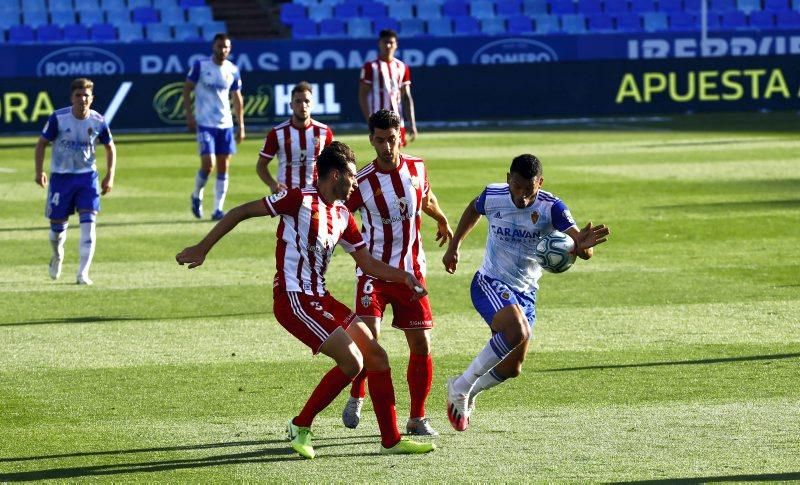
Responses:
[73,183]
[215,81]
[504,288]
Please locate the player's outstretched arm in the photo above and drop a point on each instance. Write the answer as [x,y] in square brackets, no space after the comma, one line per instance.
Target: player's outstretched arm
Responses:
[430,206]
[379,269]
[587,238]
[195,255]
[38,161]
[469,218]
[111,167]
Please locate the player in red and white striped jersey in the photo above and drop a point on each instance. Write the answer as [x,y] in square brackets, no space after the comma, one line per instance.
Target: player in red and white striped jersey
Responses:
[386,84]
[392,192]
[297,143]
[313,221]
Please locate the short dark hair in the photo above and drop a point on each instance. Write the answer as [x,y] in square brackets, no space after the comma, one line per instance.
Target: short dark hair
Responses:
[526,166]
[335,156]
[385,33]
[80,83]
[383,119]
[300,87]
[220,36]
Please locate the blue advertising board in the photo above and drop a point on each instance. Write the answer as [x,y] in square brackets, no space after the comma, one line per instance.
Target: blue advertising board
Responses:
[445,93]
[300,56]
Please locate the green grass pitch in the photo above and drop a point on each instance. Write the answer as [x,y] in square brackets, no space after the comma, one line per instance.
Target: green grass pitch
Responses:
[674,354]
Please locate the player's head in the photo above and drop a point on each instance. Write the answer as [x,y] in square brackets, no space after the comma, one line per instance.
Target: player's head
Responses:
[525,179]
[221,47]
[336,167]
[302,101]
[387,43]
[81,94]
[384,135]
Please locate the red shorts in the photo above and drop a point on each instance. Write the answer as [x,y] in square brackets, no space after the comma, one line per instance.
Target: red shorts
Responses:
[373,295]
[312,319]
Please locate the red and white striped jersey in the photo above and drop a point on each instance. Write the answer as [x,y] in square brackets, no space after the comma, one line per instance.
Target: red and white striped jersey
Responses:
[386,80]
[297,150]
[309,230]
[390,204]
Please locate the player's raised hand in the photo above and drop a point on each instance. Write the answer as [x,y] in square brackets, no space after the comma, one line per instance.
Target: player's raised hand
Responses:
[450,260]
[413,283]
[443,233]
[591,236]
[193,255]
[41,179]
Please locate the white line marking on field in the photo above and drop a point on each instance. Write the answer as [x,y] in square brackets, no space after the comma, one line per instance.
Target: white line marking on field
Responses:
[7,170]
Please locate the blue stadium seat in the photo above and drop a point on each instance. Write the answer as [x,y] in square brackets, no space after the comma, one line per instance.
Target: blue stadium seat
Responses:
[332,28]
[382,23]
[21,34]
[158,32]
[776,5]
[330,3]
[165,4]
[628,22]
[455,8]
[210,29]
[546,24]
[481,9]
[587,7]
[465,25]
[519,25]
[84,5]
[788,19]
[713,22]
[118,16]
[721,5]
[132,4]
[401,11]
[643,6]
[49,33]
[796,5]
[102,33]
[290,12]
[186,33]
[90,17]
[34,18]
[683,22]
[412,27]
[33,6]
[62,16]
[615,7]
[508,8]
[359,28]
[10,8]
[172,15]
[113,4]
[144,15]
[600,22]
[346,11]
[428,11]
[76,33]
[320,13]
[748,6]
[573,23]
[561,7]
[441,27]
[199,15]
[670,6]
[9,19]
[534,7]
[373,10]
[301,29]
[762,20]
[733,20]
[56,4]
[655,21]
[192,3]
[130,32]
[493,26]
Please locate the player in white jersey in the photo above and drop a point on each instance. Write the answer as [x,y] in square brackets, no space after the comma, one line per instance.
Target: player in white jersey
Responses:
[297,143]
[313,221]
[73,183]
[392,193]
[504,288]
[214,81]
[386,84]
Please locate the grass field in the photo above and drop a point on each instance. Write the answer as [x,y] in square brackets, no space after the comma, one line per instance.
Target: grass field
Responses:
[674,354]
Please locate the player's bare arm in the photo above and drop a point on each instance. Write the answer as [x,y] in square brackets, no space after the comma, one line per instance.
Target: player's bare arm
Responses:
[379,269]
[238,105]
[587,238]
[38,159]
[111,165]
[195,255]
[188,87]
[363,99]
[430,206]
[262,169]
[469,218]
[408,106]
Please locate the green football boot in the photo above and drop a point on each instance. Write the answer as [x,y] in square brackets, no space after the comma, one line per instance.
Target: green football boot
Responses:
[408,447]
[301,439]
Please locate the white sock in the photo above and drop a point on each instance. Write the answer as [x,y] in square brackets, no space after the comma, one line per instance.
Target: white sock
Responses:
[199,184]
[86,247]
[57,241]
[487,381]
[490,356]
[220,192]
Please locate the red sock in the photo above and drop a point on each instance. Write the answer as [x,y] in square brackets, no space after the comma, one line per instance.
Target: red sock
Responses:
[420,376]
[381,391]
[326,391]
[359,388]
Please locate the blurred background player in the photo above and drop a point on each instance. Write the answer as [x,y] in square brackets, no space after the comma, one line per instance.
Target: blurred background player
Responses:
[386,84]
[504,288]
[391,192]
[297,143]
[214,81]
[73,183]
[313,221]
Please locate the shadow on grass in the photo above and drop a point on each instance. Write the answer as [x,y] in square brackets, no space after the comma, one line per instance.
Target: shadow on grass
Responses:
[720,360]
[729,478]
[103,319]
[274,451]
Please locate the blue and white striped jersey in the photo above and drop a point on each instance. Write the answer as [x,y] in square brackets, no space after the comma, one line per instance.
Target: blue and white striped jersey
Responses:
[74,140]
[514,232]
[213,84]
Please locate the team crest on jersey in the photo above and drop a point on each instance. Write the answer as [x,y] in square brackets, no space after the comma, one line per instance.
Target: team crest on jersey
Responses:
[316,141]
[378,192]
[89,131]
[534,217]
[366,300]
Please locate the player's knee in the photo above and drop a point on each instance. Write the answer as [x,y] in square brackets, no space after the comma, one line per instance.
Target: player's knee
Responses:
[376,358]
[514,371]
[517,333]
[353,364]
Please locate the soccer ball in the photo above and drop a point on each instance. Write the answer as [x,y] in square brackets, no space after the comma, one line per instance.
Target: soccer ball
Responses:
[555,252]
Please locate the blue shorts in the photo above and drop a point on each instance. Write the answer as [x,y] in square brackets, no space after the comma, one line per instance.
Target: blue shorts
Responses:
[217,141]
[489,296]
[68,192]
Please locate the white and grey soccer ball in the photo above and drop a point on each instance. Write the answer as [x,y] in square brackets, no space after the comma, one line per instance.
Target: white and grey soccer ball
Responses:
[555,252]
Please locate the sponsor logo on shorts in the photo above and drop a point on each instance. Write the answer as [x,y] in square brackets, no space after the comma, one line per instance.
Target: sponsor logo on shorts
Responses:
[419,323]
[327,315]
